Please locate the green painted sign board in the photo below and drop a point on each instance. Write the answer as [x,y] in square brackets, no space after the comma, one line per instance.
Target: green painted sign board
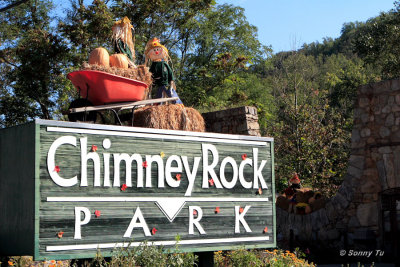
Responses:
[69,189]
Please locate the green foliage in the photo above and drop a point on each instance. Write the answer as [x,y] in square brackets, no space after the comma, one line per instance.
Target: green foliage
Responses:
[258,258]
[311,136]
[33,60]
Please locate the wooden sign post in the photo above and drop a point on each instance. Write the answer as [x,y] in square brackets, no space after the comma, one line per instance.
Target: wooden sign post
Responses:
[69,189]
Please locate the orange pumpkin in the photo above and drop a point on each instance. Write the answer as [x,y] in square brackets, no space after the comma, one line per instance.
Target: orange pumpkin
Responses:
[119,61]
[99,56]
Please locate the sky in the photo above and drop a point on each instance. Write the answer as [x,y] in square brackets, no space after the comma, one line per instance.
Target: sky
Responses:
[288,24]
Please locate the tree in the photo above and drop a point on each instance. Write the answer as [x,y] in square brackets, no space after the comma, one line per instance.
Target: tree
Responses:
[32,62]
[311,137]
[377,43]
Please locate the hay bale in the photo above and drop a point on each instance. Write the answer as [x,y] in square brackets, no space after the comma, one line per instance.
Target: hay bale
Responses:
[170,117]
[140,73]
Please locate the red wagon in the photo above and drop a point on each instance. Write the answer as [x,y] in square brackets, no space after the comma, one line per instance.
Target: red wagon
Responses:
[104,91]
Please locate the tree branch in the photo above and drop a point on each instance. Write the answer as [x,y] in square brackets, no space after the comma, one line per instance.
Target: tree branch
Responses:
[17,3]
[6,61]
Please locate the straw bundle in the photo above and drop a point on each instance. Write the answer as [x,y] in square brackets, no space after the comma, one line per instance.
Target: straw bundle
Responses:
[170,117]
[140,73]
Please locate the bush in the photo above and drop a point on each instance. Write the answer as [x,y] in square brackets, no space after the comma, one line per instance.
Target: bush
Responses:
[260,258]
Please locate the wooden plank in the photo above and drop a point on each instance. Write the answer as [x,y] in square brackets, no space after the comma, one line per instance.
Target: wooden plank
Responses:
[122,106]
[217,226]
[17,165]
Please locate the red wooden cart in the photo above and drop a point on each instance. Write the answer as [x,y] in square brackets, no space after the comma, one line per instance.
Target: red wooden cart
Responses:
[104,91]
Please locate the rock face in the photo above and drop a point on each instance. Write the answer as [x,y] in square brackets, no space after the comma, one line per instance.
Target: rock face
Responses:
[241,120]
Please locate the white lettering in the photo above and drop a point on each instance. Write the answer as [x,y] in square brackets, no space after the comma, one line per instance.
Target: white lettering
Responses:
[208,170]
[79,222]
[170,169]
[224,182]
[128,169]
[195,222]
[85,156]
[51,165]
[191,175]
[160,167]
[242,180]
[137,216]
[258,170]
[239,217]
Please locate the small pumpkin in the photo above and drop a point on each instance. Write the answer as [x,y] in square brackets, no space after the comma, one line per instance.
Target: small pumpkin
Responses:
[99,56]
[119,61]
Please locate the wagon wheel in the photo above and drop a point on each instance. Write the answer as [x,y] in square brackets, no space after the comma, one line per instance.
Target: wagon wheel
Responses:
[90,116]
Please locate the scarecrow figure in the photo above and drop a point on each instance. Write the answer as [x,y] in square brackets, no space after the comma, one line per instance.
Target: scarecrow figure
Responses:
[294,182]
[163,77]
[123,39]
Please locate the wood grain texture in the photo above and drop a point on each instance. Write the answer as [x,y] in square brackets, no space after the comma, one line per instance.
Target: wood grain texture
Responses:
[17,185]
[109,228]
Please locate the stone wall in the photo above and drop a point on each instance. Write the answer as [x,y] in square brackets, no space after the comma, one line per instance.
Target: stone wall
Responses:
[353,217]
[241,120]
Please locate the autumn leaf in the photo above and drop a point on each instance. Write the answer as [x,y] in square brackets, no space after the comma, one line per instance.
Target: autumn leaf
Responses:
[153,231]
[217,210]
[244,156]
[57,168]
[259,192]
[97,213]
[211,181]
[265,230]
[144,164]
[124,187]
[94,148]
[241,210]
[178,177]
[162,154]
[60,234]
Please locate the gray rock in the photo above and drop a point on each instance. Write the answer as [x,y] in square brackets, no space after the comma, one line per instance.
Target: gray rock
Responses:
[396,160]
[389,120]
[357,161]
[389,168]
[363,102]
[353,222]
[355,172]
[384,131]
[365,132]
[355,136]
[346,191]
[385,150]
[382,174]
[367,214]
[341,201]
[395,85]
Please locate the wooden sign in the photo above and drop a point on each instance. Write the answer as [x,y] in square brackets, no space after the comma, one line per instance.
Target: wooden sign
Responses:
[69,189]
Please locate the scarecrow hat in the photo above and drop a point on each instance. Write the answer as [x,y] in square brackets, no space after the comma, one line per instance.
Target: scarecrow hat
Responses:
[295,179]
[153,43]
